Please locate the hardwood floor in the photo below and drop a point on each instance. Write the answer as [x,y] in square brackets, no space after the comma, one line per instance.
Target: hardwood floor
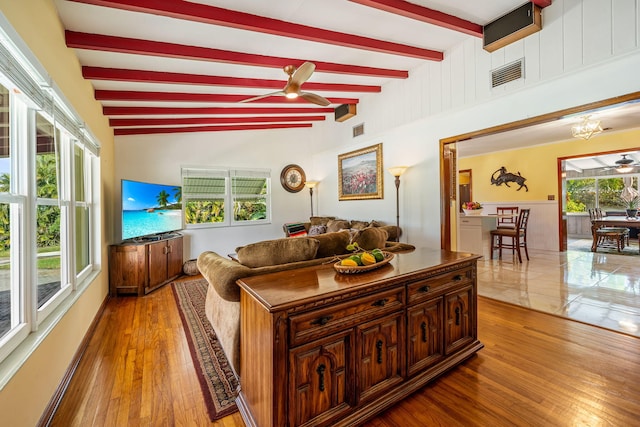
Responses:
[536,369]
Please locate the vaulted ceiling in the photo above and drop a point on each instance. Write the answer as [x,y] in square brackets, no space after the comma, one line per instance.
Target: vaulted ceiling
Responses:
[168,66]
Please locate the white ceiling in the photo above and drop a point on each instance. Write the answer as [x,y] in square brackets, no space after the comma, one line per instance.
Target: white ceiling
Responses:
[186,46]
[616,118]
[172,38]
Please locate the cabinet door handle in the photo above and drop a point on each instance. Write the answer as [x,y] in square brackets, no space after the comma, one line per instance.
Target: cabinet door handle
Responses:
[458,277]
[320,372]
[380,302]
[457,316]
[424,289]
[379,349]
[321,320]
[423,326]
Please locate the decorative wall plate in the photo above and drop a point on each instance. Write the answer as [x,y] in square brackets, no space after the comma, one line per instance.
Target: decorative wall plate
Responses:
[292,178]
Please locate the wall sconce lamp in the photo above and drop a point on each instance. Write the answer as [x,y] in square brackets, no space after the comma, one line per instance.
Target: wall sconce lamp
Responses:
[310,185]
[397,171]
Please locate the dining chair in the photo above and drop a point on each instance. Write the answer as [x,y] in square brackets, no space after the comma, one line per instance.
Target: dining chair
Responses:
[507,216]
[518,236]
[609,236]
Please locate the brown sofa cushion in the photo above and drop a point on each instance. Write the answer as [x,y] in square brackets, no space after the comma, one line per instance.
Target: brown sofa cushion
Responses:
[332,243]
[371,238]
[394,231]
[320,220]
[337,225]
[278,251]
[359,225]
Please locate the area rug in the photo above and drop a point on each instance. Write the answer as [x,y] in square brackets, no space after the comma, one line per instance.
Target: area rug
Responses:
[584,245]
[217,379]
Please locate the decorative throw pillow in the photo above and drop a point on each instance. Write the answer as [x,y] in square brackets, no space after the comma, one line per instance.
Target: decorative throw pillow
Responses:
[321,220]
[276,252]
[336,225]
[359,225]
[394,232]
[314,230]
[375,223]
[331,244]
[371,238]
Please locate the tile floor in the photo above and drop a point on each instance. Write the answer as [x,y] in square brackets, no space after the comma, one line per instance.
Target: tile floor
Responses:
[599,288]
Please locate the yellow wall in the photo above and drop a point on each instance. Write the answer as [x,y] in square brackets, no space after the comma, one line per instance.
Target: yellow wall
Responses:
[538,165]
[26,395]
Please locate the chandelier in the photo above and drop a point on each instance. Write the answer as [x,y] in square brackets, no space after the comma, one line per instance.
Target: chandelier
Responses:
[586,129]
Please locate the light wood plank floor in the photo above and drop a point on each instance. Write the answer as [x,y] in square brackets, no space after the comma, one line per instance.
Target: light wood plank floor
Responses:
[536,370]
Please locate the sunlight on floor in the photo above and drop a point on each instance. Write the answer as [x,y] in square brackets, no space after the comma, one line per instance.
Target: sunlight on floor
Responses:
[602,289]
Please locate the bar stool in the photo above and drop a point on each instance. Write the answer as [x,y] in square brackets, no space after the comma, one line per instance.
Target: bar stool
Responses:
[518,236]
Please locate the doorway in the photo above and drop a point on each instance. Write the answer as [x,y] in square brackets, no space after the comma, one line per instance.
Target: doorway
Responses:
[465,190]
[448,159]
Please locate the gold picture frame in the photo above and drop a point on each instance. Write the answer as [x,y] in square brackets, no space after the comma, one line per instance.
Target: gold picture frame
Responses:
[360,174]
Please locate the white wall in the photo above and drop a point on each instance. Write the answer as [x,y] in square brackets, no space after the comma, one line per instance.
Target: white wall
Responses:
[586,51]
[158,158]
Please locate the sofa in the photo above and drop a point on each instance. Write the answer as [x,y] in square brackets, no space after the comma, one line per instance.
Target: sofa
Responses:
[222,306]
[328,224]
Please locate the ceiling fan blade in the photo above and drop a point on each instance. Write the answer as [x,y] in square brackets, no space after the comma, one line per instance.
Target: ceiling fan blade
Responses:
[316,99]
[255,98]
[303,73]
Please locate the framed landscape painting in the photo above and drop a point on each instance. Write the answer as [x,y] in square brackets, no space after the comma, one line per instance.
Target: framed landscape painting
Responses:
[360,174]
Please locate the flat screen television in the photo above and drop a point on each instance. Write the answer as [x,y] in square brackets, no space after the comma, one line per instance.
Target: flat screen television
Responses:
[150,209]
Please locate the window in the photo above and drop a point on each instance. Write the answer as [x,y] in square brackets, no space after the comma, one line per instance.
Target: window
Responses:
[47,209]
[208,192]
[605,193]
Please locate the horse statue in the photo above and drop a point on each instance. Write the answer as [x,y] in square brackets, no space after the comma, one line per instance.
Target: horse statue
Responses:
[506,177]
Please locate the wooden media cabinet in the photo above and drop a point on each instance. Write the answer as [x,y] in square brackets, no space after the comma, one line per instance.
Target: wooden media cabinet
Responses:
[320,348]
[140,267]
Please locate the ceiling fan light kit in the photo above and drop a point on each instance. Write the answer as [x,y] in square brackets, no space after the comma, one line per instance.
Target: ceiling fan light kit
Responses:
[624,165]
[297,76]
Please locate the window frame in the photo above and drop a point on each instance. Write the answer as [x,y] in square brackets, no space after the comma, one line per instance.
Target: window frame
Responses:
[228,196]
[32,91]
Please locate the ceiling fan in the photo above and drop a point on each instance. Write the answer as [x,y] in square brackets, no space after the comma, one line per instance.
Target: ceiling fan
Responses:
[625,165]
[297,76]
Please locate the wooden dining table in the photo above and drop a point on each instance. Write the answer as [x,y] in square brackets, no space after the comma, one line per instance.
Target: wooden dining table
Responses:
[613,221]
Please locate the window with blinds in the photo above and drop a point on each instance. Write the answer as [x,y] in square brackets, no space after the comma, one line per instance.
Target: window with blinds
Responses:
[225,197]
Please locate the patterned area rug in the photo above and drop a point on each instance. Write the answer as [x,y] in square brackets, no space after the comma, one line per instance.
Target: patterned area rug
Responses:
[217,379]
[584,245]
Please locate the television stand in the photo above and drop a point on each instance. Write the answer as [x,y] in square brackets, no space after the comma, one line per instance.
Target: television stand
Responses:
[139,267]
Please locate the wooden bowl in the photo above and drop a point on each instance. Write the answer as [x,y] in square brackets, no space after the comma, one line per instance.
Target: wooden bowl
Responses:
[347,269]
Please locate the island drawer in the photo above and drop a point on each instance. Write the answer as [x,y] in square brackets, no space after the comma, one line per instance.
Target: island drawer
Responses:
[318,323]
[428,288]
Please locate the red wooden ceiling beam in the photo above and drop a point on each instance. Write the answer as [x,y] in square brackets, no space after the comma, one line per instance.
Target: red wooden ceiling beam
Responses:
[149,131]
[230,18]
[132,95]
[172,111]
[423,14]
[171,50]
[97,73]
[212,120]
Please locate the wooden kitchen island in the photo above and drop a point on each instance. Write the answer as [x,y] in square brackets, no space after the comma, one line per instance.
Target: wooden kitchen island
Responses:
[322,348]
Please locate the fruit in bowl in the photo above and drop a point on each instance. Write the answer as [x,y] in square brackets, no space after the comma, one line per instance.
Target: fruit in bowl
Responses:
[472,208]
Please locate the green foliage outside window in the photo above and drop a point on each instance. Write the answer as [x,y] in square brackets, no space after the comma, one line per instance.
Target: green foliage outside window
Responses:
[604,193]
[48,217]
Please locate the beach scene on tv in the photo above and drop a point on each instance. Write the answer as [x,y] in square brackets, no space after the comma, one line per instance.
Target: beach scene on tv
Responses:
[149,209]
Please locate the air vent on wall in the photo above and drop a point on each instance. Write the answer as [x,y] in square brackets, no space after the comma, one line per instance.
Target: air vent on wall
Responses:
[358,130]
[507,73]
